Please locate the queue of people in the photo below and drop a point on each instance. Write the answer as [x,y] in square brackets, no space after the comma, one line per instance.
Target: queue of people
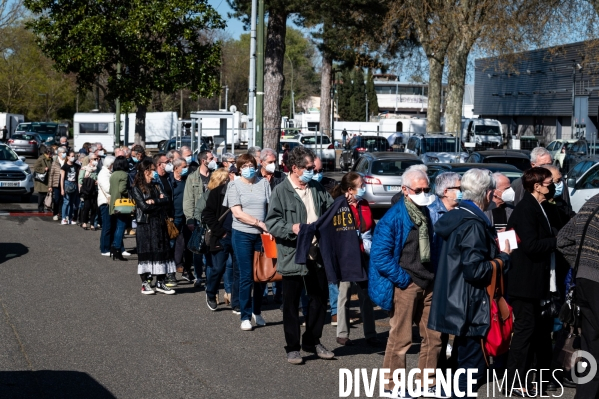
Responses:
[427,262]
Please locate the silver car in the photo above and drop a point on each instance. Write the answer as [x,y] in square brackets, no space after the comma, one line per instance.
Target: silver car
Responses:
[322,146]
[382,172]
[15,174]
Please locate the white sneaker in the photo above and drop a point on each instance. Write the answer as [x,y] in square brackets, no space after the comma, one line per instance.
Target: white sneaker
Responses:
[105,253]
[246,325]
[73,222]
[64,221]
[55,217]
[258,320]
[125,253]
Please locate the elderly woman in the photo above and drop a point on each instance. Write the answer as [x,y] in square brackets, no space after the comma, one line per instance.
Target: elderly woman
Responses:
[460,304]
[54,182]
[248,199]
[42,167]
[531,279]
[104,205]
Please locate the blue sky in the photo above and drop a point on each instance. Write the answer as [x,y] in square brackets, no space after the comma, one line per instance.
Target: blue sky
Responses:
[234,26]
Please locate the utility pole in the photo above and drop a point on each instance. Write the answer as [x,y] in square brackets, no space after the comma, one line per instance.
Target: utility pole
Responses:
[260,76]
[181,115]
[226,97]
[252,79]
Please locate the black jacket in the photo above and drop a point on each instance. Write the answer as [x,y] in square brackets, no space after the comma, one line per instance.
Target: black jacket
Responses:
[460,302]
[212,212]
[339,243]
[276,178]
[143,209]
[531,261]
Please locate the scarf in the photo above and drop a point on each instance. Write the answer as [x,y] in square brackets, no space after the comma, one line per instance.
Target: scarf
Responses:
[420,220]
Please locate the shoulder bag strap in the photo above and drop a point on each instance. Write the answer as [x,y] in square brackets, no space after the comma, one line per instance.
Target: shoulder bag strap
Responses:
[584,232]
[493,286]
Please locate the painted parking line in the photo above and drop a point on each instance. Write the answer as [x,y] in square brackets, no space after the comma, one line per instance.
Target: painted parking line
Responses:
[24,213]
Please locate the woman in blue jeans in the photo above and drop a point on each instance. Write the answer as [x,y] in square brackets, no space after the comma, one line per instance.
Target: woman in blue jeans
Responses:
[248,198]
[118,189]
[104,205]
[69,188]
[219,220]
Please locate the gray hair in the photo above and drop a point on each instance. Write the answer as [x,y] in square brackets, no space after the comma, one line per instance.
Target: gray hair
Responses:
[266,152]
[444,181]
[184,147]
[253,150]
[412,175]
[227,155]
[178,162]
[496,176]
[60,150]
[93,148]
[171,154]
[98,144]
[539,152]
[475,184]
[108,161]
[126,150]
[421,167]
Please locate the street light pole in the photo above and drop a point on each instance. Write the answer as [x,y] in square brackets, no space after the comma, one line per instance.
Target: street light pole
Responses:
[366,95]
[252,78]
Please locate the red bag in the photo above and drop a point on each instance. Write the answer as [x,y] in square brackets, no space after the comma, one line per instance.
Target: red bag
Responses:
[497,341]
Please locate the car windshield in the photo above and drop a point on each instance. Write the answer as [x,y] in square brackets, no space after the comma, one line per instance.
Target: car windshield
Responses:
[24,127]
[375,144]
[392,167]
[46,136]
[7,154]
[521,163]
[311,140]
[487,130]
[440,144]
[47,128]
[291,144]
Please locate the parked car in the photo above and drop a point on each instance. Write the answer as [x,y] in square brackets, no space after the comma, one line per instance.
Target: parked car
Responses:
[360,145]
[436,148]
[15,174]
[325,150]
[26,144]
[511,157]
[510,171]
[172,144]
[578,151]
[557,149]
[582,188]
[50,132]
[292,144]
[382,172]
[581,167]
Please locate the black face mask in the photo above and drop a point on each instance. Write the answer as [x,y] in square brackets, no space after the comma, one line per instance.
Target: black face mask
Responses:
[551,192]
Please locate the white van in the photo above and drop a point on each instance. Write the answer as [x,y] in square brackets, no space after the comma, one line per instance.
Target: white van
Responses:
[482,134]
[94,128]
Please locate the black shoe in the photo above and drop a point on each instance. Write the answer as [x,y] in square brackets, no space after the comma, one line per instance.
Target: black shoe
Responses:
[236,311]
[212,305]
[171,280]
[552,386]
[117,254]
[187,277]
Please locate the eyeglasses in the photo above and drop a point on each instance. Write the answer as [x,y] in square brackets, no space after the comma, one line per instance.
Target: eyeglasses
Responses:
[310,168]
[247,165]
[454,188]
[420,190]
[318,170]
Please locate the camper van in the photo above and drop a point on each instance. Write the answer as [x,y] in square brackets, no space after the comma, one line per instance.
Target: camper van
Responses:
[94,128]
[482,134]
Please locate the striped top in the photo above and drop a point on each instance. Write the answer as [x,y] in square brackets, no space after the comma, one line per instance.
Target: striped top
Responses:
[253,198]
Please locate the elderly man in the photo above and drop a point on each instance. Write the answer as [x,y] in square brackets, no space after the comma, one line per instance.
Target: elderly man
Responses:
[328,183]
[461,305]
[187,155]
[171,155]
[268,160]
[501,206]
[255,152]
[300,200]
[64,142]
[228,162]
[401,276]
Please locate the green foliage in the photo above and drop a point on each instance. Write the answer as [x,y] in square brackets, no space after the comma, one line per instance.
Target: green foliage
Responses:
[373,104]
[352,95]
[161,44]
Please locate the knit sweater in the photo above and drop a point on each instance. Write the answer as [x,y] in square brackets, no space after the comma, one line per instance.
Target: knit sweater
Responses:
[568,241]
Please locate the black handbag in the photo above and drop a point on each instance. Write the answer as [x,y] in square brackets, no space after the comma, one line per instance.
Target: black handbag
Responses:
[570,311]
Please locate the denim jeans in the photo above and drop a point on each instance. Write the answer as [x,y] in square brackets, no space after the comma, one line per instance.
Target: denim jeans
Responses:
[219,266]
[70,202]
[333,295]
[229,275]
[56,201]
[276,289]
[105,234]
[120,221]
[244,245]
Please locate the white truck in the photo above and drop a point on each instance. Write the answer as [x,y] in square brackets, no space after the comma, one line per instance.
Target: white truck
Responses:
[11,121]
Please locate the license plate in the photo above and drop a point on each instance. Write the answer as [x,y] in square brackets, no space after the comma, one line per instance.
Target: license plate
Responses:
[9,184]
[393,188]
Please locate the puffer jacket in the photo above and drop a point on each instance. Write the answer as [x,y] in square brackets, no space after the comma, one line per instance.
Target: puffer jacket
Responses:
[385,273]
[54,181]
[143,209]
[286,209]
[460,303]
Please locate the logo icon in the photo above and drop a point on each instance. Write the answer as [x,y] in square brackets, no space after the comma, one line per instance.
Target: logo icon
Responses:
[585,367]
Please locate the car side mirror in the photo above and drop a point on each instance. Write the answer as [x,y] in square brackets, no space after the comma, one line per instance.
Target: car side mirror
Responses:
[571,182]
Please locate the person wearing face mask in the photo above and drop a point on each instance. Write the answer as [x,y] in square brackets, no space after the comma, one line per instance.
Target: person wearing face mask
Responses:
[296,201]
[43,166]
[55,183]
[186,154]
[228,162]
[89,192]
[106,234]
[558,211]
[328,183]
[256,152]
[460,303]
[248,199]
[183,256]
[119,221]
[531,281]
[401,274]
[268,160]
[69,189]
[501,207]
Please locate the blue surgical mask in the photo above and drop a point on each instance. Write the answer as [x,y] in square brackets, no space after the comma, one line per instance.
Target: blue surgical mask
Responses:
[559,189]
[155,175]
[63,155]
[134,159]
[188,159]
[459,196]
[248,173]
[184,171]
[307,175]
[317,177]
[360,193]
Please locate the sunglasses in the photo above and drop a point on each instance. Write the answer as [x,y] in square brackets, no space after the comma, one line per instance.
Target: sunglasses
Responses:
[318,170]
[420,190]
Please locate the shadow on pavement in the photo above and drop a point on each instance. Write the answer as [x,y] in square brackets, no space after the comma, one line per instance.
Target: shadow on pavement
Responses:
[50,384]
[11,250]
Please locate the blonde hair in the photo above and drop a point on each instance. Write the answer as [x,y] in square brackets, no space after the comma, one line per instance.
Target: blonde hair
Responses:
[217,178]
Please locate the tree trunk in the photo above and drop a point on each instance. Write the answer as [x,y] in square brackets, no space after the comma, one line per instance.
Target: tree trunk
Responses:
[140,125]
[435,86]
[274,80]
[458,62]
[325,94]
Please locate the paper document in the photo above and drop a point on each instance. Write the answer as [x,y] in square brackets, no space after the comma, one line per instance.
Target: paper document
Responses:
[509,235]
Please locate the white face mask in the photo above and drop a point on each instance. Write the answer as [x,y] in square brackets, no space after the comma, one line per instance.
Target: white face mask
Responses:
[212,165]
[94,163]
[508,195]
[101,153]
[422,199]
[270,168]
[168,168]
[71,159]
